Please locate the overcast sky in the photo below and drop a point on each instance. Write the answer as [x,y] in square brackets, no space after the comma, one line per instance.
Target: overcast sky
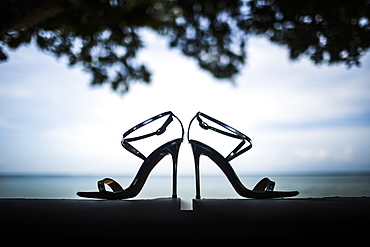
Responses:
[300,117]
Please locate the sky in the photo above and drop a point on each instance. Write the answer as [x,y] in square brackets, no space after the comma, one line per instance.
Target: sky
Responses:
[301,117]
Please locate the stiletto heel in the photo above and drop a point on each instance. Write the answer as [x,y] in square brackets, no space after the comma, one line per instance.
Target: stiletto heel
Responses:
[171,147]
[174,150]
[197,172]
[263,189]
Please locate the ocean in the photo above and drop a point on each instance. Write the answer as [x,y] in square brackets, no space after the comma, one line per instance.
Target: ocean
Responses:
[65,187]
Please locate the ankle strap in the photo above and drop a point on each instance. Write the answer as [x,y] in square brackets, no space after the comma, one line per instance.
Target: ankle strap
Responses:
[234,134]
[125,141]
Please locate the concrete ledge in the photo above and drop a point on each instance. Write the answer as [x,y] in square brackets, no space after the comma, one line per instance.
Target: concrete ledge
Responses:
[276,220]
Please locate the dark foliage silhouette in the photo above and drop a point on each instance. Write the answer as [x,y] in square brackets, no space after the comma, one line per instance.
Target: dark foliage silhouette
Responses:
[102,36]
[332,31]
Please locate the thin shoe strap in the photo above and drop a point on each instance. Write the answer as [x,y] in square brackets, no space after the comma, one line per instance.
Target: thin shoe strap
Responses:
[111,183]
[125,141]
[234,134]
[264,184]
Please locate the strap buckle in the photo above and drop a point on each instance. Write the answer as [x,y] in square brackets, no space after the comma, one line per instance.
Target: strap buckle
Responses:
[202,124]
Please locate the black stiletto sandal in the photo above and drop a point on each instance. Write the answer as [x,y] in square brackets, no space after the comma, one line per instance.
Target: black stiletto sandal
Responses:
[262,190]
[171,147]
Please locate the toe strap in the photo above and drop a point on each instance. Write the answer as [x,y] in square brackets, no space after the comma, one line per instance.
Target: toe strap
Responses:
[264,184]
[111,183]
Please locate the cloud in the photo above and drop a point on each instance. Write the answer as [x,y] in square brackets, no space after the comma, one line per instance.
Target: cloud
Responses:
[300,117]
[15,92]
[343,154]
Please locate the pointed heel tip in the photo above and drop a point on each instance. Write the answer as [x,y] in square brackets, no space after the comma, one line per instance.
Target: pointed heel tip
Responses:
[81,194]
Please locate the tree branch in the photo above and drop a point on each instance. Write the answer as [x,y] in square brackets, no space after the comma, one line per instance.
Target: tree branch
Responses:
[20,14]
